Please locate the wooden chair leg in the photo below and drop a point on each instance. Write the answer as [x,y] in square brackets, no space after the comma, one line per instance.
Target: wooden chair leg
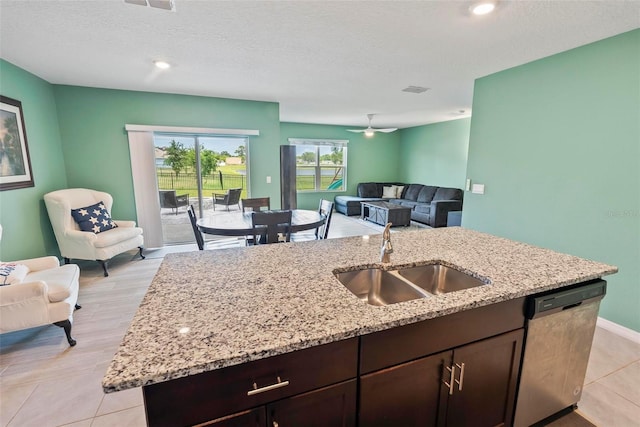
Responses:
[140,249]
[66,325]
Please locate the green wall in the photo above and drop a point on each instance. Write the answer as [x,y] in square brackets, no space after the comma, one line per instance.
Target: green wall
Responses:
[26,229]
[435,154]
[96,147]
[368,159]
[557,144]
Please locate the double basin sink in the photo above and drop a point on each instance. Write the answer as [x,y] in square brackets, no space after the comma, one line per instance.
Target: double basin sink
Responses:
[384,287]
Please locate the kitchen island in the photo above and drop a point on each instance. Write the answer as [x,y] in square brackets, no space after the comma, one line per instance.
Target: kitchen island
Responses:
[209,310]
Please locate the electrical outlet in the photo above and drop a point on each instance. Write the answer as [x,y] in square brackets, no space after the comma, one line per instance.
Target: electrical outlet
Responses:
[268,180]
[467,186]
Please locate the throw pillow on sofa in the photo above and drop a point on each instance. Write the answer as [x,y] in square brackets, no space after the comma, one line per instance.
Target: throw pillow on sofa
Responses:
[11,273]
[389,192]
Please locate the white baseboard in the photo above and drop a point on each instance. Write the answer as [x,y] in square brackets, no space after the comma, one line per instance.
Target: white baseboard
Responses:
[620,330]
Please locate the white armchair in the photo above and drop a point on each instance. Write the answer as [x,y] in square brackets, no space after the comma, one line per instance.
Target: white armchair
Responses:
[48,294]
[78,244]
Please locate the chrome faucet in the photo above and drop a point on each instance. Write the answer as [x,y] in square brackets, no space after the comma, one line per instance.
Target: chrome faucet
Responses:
[387,248]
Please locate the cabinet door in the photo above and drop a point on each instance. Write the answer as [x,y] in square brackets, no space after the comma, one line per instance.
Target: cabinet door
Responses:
[405,395]
[484,392]
[252,418]
[330,406]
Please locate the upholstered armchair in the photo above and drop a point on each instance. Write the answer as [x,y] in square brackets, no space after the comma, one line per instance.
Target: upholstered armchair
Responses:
[104,237]
[36,292]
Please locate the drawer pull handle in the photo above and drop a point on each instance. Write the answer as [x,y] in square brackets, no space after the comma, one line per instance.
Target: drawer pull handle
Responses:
[257,390]
[451,383]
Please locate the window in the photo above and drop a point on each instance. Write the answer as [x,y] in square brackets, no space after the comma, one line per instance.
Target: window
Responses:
[321,164]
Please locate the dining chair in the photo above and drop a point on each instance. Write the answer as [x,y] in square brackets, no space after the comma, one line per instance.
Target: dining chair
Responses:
[256,204]
[269,226]
[325,209]
[192,218]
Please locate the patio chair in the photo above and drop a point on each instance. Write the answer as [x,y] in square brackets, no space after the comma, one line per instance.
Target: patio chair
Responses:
[232,197]
[271,226]
[256,204]
[169,200]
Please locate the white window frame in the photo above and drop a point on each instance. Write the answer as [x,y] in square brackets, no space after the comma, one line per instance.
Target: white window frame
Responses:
[342,143]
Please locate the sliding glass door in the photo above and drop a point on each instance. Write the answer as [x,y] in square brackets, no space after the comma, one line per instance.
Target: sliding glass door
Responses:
[190,168]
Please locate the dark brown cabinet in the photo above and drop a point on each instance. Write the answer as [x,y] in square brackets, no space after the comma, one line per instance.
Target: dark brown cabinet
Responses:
[454,370]
[474,385]
[405,395]
[330,406]
[224,395]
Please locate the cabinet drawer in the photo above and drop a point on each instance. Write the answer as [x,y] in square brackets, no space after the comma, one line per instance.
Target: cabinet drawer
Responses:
[221,392]
[398,345]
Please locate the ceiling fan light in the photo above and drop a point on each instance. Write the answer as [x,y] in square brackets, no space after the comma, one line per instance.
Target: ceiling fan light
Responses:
[482,8]
[163,65]
[368,133]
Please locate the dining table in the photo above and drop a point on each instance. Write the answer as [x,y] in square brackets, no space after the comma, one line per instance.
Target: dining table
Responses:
[240,224]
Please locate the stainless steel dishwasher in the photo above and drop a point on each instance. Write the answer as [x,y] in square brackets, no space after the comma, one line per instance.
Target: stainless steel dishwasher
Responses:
[560,330]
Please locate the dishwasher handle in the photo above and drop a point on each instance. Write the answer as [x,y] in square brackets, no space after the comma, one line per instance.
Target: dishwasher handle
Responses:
[565,299]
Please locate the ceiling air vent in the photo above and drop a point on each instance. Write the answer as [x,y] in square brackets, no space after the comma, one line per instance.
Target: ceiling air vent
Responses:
[415,89]
[160,4]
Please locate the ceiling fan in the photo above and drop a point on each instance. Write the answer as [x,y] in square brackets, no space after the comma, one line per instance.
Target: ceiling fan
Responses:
[369,131]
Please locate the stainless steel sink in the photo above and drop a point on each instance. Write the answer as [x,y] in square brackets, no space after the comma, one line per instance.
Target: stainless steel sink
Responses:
[384,287]
[439,279]
[379,287]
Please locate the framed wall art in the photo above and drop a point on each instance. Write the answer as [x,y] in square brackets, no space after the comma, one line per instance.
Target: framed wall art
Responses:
[15,163]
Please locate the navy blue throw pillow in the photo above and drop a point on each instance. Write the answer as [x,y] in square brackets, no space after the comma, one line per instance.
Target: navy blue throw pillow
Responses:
[93,218]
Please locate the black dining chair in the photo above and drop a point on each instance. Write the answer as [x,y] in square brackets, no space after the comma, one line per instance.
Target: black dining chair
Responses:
[192,218]
[256,204]
[325,209]
[269,226]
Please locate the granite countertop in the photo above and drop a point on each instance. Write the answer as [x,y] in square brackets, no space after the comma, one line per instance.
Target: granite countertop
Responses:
[206,310]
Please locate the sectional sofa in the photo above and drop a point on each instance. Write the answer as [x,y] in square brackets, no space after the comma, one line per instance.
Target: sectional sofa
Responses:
[429,204]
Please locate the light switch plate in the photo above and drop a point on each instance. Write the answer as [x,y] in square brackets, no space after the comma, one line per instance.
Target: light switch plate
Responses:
[477,188]
[268,180]
[467,186]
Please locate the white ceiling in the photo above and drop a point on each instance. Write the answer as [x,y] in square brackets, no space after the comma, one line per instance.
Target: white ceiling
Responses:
[329,62]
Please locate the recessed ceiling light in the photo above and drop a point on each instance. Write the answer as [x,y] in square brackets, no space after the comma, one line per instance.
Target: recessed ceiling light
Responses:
[483,7]
[163,65]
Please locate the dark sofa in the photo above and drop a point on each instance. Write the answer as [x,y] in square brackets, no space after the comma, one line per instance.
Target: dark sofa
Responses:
[429,204]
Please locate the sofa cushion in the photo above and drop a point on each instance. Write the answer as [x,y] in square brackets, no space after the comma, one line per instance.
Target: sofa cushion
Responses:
[412,192]
[93,218]
[399,191]
[426,194]
[445,193]
[408,203]
[423,208]
[369,189]
[60,281]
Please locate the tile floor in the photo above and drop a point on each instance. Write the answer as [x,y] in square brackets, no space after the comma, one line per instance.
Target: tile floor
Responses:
[44,382]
